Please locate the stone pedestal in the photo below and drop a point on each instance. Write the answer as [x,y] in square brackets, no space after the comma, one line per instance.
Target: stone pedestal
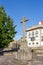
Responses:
[24,53]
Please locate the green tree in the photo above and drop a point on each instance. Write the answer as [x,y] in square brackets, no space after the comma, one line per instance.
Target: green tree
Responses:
[7,29]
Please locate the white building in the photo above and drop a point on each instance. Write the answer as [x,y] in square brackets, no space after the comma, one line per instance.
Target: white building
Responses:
[35,35]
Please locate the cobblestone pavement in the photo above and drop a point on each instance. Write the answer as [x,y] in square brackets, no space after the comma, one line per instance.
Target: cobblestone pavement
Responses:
[10,60]
[37,61]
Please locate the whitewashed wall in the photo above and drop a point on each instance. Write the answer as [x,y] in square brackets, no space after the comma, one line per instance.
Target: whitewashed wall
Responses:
[37,39]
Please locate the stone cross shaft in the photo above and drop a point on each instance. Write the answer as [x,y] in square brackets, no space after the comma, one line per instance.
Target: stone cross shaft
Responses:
[23,26]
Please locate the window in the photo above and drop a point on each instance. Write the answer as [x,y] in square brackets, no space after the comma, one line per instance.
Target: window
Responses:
[36,42]
[36,33]
[42,38]
[32,38]
[32,33]
[29,43]
[29,34]
[33,43]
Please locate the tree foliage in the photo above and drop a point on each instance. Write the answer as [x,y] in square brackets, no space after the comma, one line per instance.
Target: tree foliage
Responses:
[7,29]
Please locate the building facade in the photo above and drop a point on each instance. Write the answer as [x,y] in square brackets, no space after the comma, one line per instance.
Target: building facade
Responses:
[35,35]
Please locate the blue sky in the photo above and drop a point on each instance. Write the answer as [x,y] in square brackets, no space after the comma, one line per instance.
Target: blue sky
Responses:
[16,9]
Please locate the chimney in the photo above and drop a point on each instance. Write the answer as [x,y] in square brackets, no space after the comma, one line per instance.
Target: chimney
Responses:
[41,23]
